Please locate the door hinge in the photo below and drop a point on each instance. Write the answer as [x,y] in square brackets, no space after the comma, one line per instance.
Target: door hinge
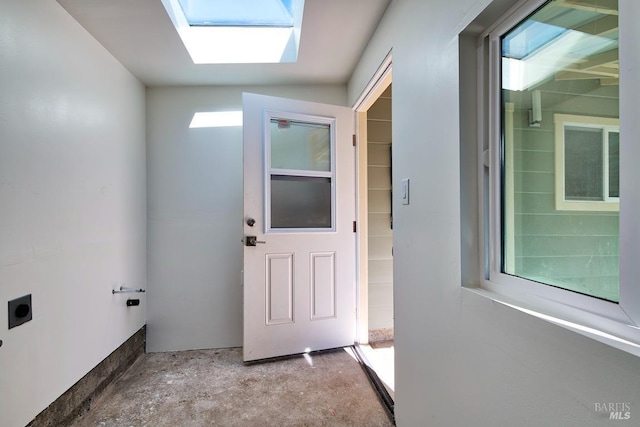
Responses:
[354,139]
[354,227]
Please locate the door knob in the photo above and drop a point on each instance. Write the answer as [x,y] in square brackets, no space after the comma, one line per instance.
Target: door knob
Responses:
[251,222]
[252,241]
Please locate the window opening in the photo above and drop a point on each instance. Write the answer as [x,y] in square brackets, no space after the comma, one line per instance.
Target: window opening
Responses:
[560,63]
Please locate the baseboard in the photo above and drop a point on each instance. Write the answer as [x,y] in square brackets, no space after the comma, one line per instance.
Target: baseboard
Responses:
[77,400]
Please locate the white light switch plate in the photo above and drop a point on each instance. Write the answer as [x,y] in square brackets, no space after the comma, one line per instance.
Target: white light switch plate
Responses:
[405,191]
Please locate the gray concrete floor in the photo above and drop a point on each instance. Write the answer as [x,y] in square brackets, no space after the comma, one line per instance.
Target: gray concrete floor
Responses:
[214,388]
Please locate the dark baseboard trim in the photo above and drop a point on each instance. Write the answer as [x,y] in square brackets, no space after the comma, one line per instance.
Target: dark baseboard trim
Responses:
[77,400]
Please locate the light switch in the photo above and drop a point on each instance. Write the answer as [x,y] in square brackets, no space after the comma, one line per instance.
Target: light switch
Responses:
[405,191]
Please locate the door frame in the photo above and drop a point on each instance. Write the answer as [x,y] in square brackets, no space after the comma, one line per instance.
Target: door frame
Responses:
[377,85]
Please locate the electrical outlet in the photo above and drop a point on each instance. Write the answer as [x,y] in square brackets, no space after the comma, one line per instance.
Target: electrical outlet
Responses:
[20,311]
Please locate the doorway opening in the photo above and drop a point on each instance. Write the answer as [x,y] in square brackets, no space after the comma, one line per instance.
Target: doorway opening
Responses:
[375,220]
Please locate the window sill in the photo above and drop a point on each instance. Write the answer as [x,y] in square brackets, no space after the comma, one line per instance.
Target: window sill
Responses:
[611,332]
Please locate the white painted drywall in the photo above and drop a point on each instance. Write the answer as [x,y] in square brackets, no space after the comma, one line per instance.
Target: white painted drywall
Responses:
[72,203]
[195,214]
[461,359]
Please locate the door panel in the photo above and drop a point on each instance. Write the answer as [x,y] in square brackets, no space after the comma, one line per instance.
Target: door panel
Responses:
[323,285]
[279,289]
[299,204]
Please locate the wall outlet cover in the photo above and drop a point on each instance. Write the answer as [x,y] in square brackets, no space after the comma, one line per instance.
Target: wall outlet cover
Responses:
[405,191]
[20,311]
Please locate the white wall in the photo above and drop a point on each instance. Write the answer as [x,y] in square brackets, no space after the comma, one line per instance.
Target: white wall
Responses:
[461,359]
[195,214]
[72,203]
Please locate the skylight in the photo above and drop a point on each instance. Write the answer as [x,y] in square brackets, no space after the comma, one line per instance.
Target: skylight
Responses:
[529,37]
[270,13]
[554,39]
[568,48]
[238,31]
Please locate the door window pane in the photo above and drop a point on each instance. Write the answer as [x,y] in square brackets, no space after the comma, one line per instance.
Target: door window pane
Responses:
[301,193]
[300,146]
[300,202]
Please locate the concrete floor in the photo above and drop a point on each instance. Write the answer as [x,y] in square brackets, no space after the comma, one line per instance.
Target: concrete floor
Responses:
[214,388]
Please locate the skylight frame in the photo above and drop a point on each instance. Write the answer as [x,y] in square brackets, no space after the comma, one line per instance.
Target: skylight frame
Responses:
[224,44]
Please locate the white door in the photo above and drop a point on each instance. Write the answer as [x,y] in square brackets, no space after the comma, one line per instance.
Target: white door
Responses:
[299,240]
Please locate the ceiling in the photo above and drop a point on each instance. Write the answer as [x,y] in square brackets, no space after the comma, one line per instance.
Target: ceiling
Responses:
[141,36]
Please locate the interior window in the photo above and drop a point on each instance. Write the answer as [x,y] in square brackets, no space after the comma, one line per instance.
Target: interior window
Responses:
[560,139]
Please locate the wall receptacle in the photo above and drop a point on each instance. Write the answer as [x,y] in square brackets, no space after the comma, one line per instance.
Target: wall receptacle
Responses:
[20,311]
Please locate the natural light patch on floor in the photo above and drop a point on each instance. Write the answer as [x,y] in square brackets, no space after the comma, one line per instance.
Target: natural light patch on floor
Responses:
[381,360]
[216,119]
[238,31]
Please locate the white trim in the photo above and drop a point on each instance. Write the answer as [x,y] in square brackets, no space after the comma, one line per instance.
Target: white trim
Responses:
[483,154]
[379,82]
[629,158]
[595,331]
[509,189]
[609,204]
[301,172]
[495,153]
[362,231]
